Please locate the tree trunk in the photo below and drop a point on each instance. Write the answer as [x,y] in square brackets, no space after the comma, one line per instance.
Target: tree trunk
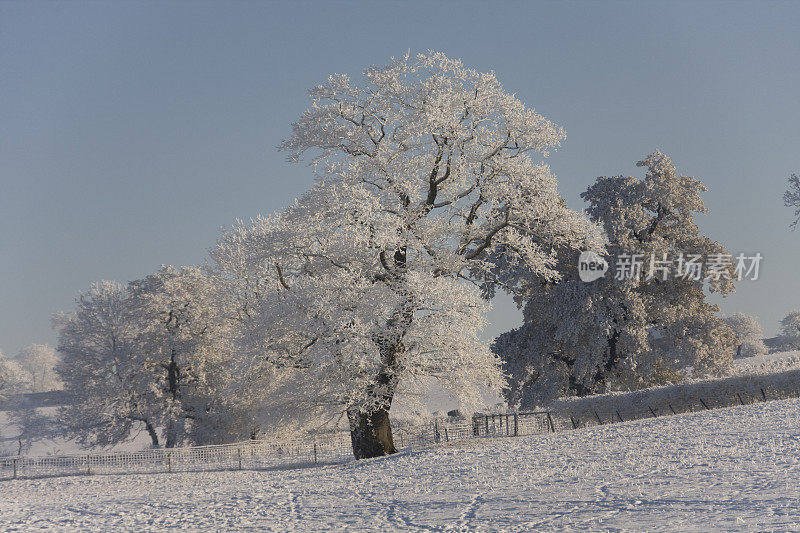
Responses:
[173,379]
[173,432]
[152,432]
[371,434]
[609,367]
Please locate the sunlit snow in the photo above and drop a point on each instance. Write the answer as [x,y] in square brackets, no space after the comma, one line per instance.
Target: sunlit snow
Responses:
[733,468]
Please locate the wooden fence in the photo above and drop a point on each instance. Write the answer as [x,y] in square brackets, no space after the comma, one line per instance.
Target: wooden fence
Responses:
[590,413]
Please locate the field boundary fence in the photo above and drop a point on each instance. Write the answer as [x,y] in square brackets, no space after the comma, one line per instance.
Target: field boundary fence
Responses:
[335,447]
[318,449]
[602,410]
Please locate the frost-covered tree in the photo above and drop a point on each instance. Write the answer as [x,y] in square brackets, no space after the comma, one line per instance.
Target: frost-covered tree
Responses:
[39,361]
[13,379]
[6,382]
[32,370]
[108,387]
[749,335]
[31,424]
[429,194]
[791,198]
[157,351]
[176,333]
[629,331]
[790,331]
[185,341]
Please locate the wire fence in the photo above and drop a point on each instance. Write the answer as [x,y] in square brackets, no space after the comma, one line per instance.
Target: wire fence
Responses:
[330,448]
[335,447]
[255,454]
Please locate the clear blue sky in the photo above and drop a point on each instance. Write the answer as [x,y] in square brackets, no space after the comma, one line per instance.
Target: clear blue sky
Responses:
[130,133]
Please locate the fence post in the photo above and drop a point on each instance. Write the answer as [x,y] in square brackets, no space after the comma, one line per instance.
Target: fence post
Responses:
[740,398]
[239,453]
[671,409]
[89,465]
[315,451]
[550,421]
[653,412]
[516,425]
[446,436]
[704,404]
[763,395]
[169,462]
[15,467]
[574,424]
[486,419]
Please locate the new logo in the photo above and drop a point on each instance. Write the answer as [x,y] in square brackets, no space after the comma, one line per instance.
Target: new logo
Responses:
[591,266]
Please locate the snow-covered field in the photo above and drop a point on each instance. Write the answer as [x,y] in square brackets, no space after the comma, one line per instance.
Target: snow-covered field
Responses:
[767,363]
[731,469]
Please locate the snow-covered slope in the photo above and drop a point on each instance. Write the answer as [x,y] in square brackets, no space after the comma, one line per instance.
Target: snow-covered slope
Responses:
[768,363]
[752,379]
[731,469]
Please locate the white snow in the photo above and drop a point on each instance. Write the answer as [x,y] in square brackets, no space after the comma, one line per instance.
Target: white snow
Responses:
[767,363]
[732,469]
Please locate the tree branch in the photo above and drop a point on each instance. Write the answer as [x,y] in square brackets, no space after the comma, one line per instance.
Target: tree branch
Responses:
[280,277]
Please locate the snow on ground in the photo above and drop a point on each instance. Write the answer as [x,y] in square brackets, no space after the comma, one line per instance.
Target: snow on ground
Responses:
[767,363]
[732,469]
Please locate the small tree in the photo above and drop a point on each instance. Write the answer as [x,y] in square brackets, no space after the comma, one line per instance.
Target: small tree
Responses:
[790,331]
[39,361]
[13,379]
[749,336]
[177,330]
[791,198]
[157,352]
[108,387]
[32,425]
